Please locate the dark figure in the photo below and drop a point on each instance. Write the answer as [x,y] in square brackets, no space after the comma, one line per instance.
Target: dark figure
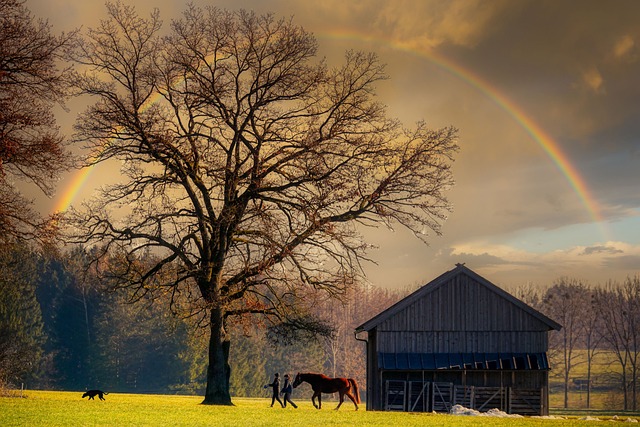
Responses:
[323,384]
[287,389]
[94,393]
[275,386]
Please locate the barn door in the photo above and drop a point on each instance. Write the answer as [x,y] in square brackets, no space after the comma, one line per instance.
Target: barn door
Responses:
[418,396]
[490,397]
[525,401]
[395,395]
[442,397]
[464,395]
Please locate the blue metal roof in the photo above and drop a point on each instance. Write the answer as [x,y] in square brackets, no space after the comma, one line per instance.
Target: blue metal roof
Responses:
[484,361]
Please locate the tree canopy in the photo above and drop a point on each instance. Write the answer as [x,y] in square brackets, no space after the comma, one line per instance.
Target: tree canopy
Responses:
[31,84]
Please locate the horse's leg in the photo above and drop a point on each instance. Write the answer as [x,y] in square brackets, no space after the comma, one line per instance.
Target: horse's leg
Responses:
[313,399]
[319,400]
[353,399]
[341,400]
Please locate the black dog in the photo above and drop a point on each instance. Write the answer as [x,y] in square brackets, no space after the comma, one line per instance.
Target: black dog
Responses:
[94,393]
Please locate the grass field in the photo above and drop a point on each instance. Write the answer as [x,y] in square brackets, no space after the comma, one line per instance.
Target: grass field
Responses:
[43,408]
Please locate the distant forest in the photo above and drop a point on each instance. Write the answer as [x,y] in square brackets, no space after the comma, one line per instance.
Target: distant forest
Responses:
[60,328]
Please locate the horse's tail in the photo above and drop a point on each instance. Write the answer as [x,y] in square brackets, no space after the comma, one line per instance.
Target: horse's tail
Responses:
[356,392]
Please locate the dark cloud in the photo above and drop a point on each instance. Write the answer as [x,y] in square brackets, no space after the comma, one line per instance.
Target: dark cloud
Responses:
[601,249]
[484,260]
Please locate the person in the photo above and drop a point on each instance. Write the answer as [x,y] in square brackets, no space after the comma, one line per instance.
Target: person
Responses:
[275,386]
[287,389]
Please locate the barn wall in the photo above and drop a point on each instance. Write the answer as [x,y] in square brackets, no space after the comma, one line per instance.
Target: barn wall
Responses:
[461,342]
[462,316]
[373,381]
[518,379]
[463,305]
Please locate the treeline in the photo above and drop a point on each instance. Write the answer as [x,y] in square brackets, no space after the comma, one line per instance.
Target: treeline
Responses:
[595,320]
[60,328]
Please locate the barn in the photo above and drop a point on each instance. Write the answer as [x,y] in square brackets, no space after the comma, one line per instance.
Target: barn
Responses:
[458,340]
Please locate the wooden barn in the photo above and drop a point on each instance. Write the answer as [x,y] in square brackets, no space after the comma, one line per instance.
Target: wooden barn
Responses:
[458,340]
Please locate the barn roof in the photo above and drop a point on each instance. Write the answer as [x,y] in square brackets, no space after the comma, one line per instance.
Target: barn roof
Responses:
[442,280]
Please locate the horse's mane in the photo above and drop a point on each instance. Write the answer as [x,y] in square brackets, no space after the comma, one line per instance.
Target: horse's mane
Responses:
[316,375]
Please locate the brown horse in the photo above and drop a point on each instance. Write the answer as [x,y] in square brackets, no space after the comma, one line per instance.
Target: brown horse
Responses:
[323,384]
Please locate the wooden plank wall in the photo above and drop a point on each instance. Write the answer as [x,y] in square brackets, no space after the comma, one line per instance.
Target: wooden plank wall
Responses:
[461,342]
[462,316]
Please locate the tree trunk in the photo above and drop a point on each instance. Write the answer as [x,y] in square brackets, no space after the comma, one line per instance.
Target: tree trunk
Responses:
[634,382]
[625,389]
[219,371]
[567,368]
[566,391]
[589,362]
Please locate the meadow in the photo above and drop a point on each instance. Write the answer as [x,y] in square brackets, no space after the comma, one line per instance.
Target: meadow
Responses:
[48,408]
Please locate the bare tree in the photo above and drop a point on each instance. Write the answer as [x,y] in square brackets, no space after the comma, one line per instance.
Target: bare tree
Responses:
[619,309]
[592,339]
[566,302]
[364,301]
[31,85]
[530,294]
[247,166]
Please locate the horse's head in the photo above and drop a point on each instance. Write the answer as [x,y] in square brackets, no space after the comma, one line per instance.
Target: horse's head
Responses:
[298,380]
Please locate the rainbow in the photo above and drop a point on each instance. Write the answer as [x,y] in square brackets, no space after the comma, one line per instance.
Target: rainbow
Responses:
[72,189]
[537,134]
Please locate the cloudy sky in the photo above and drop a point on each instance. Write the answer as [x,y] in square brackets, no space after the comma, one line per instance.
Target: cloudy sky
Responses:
[546,95]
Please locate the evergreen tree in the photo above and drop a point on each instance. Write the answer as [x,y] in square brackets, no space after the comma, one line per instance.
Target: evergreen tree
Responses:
[68,303]
[21,328]
[140,345]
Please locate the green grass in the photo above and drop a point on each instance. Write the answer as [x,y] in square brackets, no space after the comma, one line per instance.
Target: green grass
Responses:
[43,408]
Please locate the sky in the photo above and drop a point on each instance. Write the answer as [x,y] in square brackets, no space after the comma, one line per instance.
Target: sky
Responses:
[546,97]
